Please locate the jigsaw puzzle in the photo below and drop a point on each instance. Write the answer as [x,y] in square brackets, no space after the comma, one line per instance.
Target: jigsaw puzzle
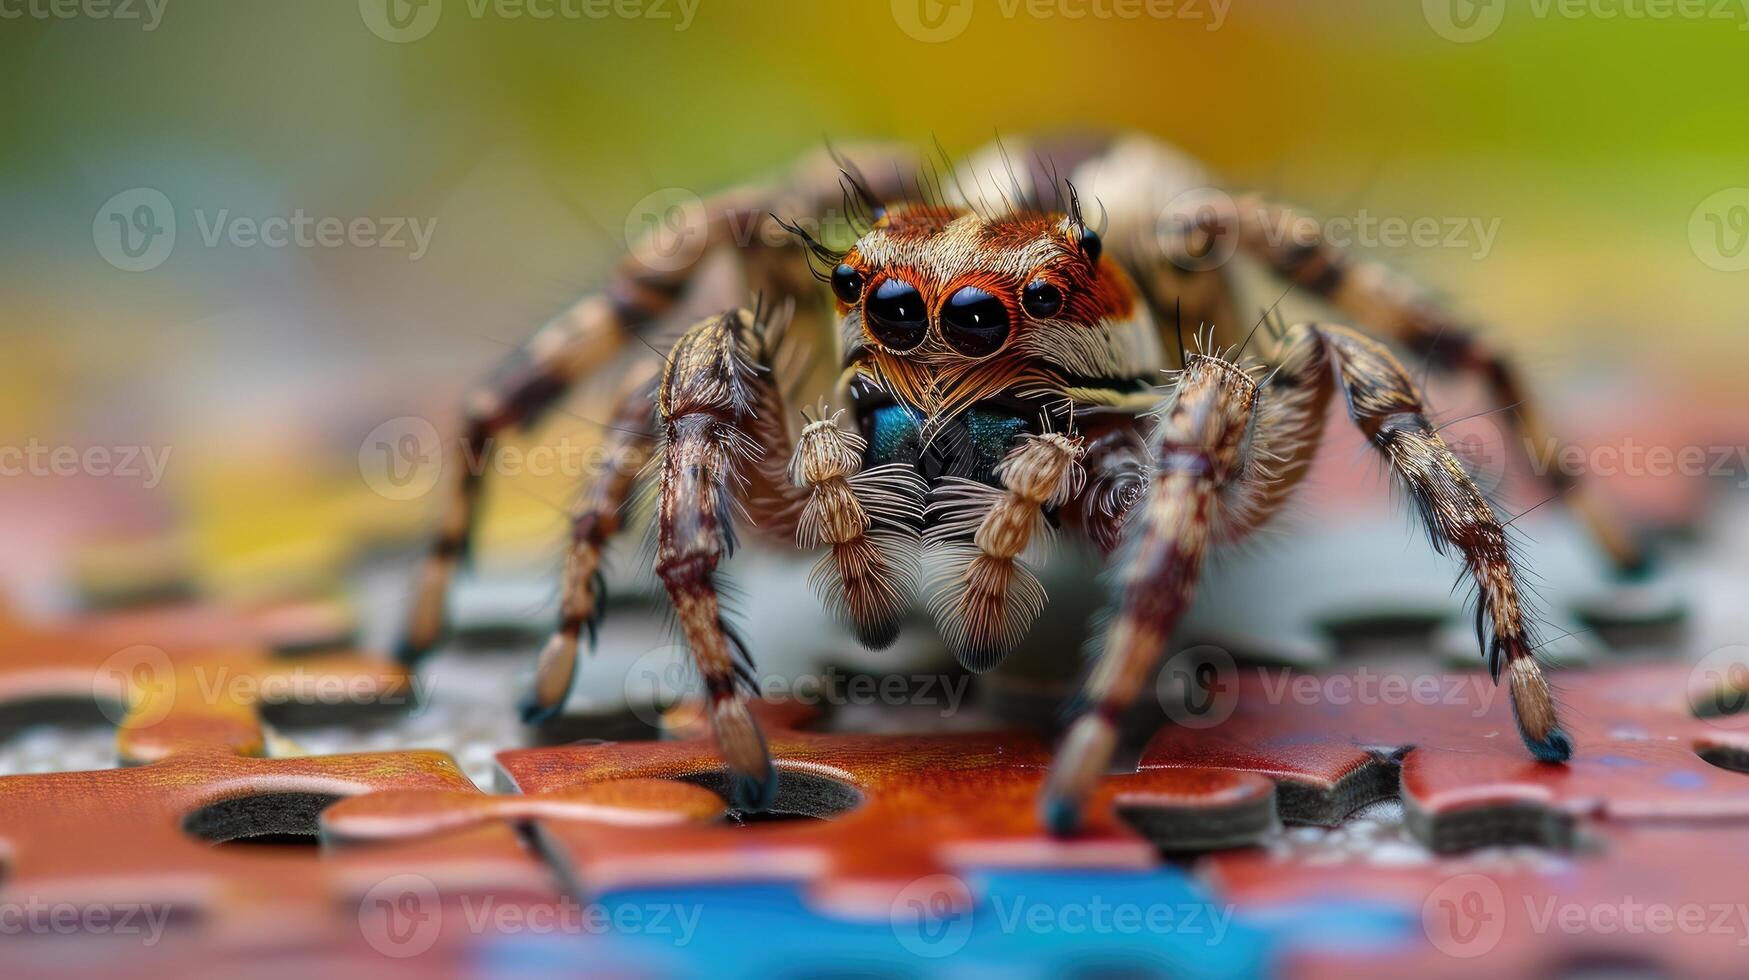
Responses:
[970,488]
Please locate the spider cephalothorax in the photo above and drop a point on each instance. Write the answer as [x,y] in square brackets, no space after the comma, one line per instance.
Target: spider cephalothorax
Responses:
[1001,371]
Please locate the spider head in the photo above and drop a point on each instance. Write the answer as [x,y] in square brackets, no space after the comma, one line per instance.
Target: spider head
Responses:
[947,284]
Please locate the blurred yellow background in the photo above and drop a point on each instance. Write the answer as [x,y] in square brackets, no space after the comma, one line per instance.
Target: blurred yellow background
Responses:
[1607,148]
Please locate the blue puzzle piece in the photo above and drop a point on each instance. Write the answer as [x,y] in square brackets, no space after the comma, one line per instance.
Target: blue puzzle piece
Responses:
[1026,924]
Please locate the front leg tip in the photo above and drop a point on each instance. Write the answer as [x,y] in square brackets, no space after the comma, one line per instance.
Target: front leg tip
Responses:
[413,648]
[1554,747]
[752,775]
[1076,772]
[534,713]
[753,793]
[1060,814]
[1533,708]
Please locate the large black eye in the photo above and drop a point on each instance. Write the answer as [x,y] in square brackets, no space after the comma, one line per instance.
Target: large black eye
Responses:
[1041,299]
[895,315]
[1091,246]
[847,283]
[974,322]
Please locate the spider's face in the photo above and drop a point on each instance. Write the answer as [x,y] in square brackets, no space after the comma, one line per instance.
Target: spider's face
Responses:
[941,284]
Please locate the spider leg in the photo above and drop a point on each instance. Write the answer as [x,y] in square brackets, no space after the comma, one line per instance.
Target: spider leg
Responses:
[1210,483]
[708,397]
[646,286]
[1385,404]
[983,596]
[869,519]
[1196,481]
[524,387]
[1400,310]
[596,520]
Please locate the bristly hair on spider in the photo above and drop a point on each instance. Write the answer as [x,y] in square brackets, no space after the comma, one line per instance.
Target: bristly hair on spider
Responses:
[999,382]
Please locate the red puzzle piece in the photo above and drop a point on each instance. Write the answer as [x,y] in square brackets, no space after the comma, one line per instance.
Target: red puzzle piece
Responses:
[1646,898]
[181,678]
[912,807]
[1640,751]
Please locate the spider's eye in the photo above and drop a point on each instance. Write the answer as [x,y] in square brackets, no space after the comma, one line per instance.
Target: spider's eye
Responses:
[847,283]
[974,322]
[1091,246]
[1041,299]
[895,315]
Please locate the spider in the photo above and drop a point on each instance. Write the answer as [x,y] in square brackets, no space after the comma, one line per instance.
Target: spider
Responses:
[1001,362]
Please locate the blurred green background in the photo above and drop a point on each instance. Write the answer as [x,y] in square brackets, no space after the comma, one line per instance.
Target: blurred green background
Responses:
[1608,145]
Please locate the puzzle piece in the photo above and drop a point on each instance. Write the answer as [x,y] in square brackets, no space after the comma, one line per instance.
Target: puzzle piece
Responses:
[144,835]
[904,808]
[1641,899]
[1640,750]
[179,678]
[1028,924]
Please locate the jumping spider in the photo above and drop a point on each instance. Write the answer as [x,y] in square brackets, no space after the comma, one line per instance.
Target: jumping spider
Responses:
[999,360]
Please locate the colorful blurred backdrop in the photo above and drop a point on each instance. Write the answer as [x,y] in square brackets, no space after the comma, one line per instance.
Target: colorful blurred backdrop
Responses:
[484,158]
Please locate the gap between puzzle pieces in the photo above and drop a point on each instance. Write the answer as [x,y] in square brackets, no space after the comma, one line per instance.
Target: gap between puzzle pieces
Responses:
[1639,899]
[901,809]
[192,678]
[145,837]
[1448,745]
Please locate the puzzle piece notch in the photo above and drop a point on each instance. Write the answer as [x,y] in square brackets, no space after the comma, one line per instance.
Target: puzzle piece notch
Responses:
[929,805]
[142,836]
[1463,776]
[187,679]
